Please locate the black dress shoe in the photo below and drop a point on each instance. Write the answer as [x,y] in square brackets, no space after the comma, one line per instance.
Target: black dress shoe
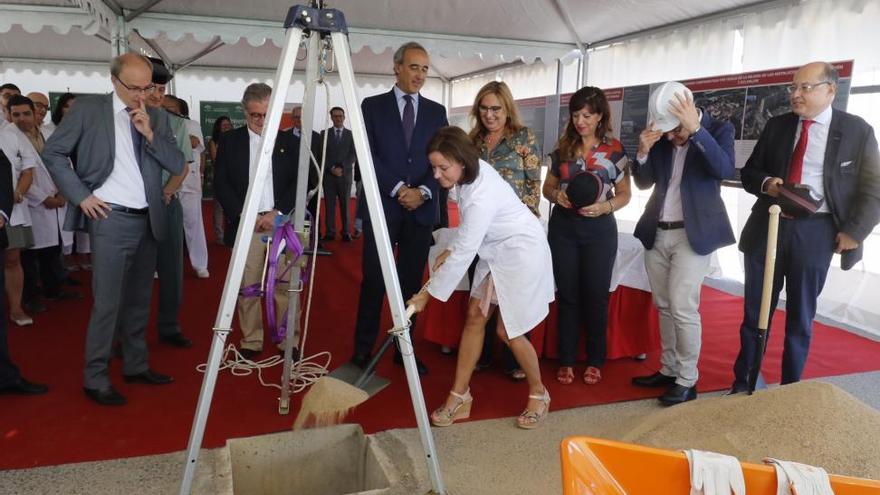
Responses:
[360,360]
[24,387]
[346,238]
[656,380]
[420,366]
[149,377]
[678,394]
[176,340]
[249,354]
[105,396]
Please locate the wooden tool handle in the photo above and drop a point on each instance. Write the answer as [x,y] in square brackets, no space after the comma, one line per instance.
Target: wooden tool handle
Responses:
[769,267]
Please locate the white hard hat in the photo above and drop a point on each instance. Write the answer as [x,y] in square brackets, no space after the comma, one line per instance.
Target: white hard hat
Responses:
[658,105]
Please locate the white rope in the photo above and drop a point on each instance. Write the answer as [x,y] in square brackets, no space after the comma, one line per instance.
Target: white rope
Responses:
[307,369]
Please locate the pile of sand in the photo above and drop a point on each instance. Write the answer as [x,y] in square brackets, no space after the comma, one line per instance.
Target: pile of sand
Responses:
[328,402]
[809,422]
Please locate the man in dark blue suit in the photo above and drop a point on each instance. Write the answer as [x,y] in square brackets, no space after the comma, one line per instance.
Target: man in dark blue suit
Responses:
[683,223]
[835,153]
[399,125]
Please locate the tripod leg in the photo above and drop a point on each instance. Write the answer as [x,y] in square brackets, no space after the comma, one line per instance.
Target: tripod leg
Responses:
[223,323]
[386,256]
[294,299]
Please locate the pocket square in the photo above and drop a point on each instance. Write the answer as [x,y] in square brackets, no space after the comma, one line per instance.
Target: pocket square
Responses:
[845,164]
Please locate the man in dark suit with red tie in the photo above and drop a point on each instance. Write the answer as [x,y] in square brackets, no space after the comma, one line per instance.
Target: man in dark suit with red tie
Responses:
[835,154]
[399,125]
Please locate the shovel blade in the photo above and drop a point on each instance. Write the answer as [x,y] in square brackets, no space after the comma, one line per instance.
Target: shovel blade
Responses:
[350,373]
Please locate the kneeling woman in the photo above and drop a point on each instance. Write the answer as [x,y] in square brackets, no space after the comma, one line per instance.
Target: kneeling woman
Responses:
[514,272]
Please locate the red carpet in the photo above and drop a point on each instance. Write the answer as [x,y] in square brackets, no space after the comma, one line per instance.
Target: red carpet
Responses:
[63,426]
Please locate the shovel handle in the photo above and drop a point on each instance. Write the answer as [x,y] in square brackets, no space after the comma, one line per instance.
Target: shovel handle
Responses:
[769,268]
[410,311]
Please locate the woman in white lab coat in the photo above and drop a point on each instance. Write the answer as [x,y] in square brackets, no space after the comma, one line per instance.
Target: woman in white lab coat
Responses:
[514,273]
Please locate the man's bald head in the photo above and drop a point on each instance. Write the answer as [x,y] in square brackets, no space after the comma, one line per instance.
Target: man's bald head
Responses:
[41,106]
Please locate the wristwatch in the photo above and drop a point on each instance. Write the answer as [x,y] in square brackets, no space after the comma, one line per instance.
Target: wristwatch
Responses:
[424,194]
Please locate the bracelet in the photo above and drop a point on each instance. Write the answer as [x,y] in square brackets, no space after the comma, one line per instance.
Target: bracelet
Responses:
[611,205]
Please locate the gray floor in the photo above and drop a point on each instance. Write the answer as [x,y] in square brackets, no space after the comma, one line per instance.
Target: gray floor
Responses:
[476,457]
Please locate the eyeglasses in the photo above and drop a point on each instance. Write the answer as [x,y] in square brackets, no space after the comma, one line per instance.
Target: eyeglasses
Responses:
[805,87]
[495,110]
[134,89]
[256,116]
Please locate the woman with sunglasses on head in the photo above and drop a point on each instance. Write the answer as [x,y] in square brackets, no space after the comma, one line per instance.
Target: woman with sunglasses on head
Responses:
[513,274]
[512,149]
[584,240]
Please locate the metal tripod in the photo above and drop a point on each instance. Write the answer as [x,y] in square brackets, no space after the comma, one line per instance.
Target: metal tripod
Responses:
[327,28]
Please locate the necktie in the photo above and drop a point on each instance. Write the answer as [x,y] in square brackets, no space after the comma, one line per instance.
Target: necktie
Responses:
[338,135]
[797,157]
[409,119]
[136,138]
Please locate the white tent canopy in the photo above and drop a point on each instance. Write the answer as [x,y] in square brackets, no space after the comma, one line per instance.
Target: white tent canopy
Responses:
[462,35]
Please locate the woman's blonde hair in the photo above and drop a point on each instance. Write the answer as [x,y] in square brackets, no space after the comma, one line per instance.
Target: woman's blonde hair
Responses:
[502,92]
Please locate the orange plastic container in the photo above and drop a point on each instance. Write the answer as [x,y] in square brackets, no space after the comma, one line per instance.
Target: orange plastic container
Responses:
[593,466]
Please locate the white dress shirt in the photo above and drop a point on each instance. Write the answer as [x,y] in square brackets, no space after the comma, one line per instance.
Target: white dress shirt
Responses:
[671,211]
[814,157]
[125,184]
[401,104]
[267,196]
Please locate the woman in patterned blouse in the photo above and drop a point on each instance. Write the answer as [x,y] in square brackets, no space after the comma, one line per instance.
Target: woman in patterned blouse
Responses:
[512,150]
[584,241]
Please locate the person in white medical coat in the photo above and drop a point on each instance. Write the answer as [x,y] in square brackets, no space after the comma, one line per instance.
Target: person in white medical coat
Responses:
[514,273]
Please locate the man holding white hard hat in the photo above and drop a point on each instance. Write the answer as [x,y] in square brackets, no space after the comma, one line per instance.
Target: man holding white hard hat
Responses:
[683,223]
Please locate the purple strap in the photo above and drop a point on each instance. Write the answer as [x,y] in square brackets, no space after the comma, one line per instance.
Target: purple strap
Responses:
[283,230]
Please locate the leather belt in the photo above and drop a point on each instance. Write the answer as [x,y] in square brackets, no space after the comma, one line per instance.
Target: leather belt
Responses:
[125,209]
[670,225]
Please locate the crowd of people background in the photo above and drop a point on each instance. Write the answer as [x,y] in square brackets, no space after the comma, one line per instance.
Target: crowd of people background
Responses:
[119,176]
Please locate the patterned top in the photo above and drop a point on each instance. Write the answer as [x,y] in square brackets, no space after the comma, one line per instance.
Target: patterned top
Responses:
[607,159]
[517,159]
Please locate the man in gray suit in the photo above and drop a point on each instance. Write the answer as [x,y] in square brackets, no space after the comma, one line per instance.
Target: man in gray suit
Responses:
[121,148]
[338,174]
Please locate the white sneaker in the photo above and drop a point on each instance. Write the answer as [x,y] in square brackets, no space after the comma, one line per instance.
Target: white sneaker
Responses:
[202,273]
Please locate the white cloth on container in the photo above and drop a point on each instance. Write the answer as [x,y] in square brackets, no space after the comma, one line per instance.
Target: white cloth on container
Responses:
[806,480]
[715,474]
[512,246]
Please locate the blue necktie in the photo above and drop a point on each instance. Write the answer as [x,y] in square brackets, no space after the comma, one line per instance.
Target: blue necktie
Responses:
[137,138]
[409,119]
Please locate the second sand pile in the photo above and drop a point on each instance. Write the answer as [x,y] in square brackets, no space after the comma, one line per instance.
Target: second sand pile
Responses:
[810,422]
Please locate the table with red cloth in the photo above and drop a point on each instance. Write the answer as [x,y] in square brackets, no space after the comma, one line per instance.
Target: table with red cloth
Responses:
[633,326]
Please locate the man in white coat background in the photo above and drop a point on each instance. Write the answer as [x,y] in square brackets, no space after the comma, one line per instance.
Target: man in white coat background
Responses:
[190,194]
[41,262]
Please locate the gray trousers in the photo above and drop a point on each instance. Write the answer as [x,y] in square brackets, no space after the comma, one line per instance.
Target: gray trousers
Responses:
[676,274]
[336,188]
[123,260]
[169,267]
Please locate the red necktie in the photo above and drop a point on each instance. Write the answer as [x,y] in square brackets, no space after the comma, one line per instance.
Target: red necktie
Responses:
[797,158]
